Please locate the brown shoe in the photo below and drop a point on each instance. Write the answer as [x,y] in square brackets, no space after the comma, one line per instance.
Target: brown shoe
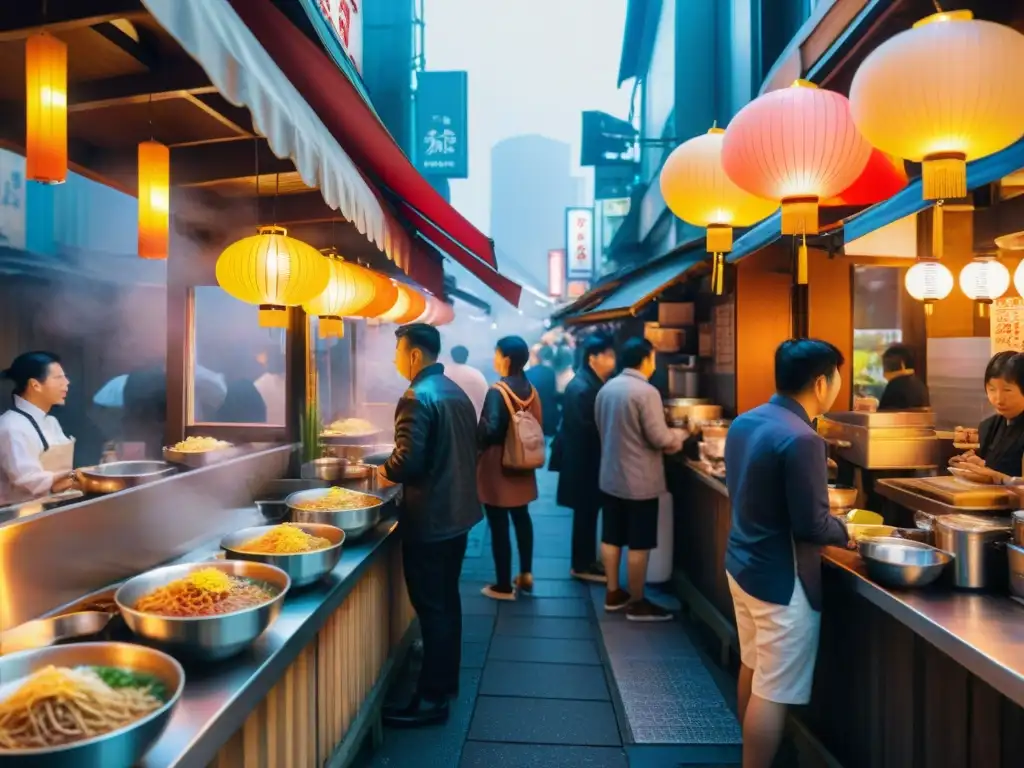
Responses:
[524,582]
[617,600]
[591,574]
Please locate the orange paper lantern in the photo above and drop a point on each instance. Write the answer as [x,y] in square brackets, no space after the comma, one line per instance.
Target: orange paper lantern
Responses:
[385,294]
[797,145]
[154,199]
[408,307]
[46,109]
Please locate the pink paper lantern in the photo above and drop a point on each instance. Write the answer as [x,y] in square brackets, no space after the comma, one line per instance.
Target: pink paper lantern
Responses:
[798,145]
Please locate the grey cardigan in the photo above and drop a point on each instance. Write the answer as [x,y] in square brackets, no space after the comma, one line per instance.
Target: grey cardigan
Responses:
[634,437]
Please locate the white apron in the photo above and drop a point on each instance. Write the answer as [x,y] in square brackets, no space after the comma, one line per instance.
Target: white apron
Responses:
[58,459]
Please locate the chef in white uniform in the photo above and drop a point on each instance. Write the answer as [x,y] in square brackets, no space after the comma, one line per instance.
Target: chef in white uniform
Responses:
[36,457]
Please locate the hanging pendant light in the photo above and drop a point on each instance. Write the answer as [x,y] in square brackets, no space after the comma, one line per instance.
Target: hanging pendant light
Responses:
[929,280]
[697,190]
[798,146]
[46,109]
[943,93]
[349,289]
[154,199]
[984,280]
[273,271]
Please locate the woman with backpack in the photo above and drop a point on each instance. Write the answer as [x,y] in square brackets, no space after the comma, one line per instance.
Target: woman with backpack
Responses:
[511,443]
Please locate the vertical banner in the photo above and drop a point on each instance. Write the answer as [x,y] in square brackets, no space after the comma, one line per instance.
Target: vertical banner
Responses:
[579,243]
[442,101]
[556,274]
[1007,325]
[346,20]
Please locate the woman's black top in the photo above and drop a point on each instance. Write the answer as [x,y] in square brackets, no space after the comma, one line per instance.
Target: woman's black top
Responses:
[1002,444]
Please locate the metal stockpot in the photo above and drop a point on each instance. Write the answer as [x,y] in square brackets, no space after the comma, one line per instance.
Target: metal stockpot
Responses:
[979,545]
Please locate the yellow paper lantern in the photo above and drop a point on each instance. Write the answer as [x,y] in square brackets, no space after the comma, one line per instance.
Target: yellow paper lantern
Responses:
[697,190]
[154,199]
[943,93]
[46,109]
[348,290]
[273,271]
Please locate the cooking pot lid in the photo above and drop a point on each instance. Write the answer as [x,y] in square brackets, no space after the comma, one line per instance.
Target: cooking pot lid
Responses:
[973,523]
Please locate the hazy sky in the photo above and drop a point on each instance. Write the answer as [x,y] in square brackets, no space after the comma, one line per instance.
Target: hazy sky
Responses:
[534,66]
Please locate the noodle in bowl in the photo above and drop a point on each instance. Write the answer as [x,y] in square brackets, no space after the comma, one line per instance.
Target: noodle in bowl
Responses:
[305,567]
[211,635]
[117,730]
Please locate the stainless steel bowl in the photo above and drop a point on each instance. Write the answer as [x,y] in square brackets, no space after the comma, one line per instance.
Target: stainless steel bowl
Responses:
[43,632]
[354,522]
[205,638]
[841,496]
[902,563]
[118,749]
[121,475]
[335,470]
[302,567]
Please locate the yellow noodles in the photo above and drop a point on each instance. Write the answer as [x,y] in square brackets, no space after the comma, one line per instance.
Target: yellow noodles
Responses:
[197,444]
[284,539]
[335,499]
[206,592]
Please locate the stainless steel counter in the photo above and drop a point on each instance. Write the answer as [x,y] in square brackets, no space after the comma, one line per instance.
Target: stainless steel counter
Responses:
[218,698]
[983,633]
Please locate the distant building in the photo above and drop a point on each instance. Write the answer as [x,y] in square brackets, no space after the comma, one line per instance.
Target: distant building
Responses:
[531,186]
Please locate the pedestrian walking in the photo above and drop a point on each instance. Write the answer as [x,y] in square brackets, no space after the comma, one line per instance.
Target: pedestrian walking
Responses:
[470,379]
[778,487]
[511,444]
[433,459]
[634,439]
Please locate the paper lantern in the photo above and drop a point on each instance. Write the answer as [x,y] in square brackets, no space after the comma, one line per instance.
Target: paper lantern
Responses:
[984,280]
[438,312]
[407,308]
[273,271]
[882,177]
[349,289]
[929,281]
[797,145]
[154,199]
[46,109]
[697,190]
[943,93]
[385,294]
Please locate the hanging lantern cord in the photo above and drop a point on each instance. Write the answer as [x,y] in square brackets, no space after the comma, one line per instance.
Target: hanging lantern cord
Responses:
[938,8]
[801,261]
[718,273]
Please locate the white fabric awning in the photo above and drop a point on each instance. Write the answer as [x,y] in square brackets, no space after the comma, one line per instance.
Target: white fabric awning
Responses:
[245,74]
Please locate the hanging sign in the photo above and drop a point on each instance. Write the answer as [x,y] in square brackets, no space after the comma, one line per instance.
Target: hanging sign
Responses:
[556,274]
[1007,326]
[579,242]
[442,101]
[346,20]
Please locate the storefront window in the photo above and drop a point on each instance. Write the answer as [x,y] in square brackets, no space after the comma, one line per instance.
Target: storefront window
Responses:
[876,325]
[238,367]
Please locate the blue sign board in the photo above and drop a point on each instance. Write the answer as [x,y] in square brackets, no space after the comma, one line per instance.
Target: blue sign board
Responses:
[441,124]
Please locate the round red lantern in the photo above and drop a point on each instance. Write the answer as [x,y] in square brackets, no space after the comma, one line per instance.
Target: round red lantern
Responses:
[798,145]
[883,177]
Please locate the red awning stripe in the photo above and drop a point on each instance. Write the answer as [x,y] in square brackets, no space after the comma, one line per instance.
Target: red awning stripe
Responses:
[339,105]
[497,282]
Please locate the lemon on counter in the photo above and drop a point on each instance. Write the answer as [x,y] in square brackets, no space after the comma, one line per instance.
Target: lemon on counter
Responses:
[864,517]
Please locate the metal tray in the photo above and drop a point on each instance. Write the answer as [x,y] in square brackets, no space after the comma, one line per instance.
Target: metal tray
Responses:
[197,460]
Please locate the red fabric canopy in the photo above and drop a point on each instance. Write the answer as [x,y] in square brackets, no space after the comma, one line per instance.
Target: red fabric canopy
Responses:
[353,123]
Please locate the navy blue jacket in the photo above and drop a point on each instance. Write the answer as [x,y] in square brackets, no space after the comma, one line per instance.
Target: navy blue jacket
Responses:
[777,475]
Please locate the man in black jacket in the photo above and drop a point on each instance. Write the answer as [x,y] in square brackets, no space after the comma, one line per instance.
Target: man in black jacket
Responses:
[579,454]
[435,461]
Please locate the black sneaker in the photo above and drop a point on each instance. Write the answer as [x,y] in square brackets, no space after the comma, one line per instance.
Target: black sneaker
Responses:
[593,573]
[617,600]
[644,610]
[495,592]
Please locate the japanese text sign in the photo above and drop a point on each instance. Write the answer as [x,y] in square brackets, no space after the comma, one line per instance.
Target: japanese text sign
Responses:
[441,118]
[579,242]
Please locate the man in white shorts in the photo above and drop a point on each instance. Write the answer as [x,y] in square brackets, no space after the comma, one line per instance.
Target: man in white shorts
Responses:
[778,486]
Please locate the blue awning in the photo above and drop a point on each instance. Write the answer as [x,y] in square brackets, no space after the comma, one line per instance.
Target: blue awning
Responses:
[638,40]
[904,203]
[638,289]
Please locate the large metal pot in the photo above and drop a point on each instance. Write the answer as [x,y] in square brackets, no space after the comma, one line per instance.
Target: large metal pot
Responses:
[979,545]
[1015,556]
[1018,527]
[677,409]
[335,470]
[354,522]
[121,475]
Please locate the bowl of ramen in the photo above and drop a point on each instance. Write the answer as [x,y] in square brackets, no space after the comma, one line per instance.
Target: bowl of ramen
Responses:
[305,551]
[92,705]
[204,611]
[350,431]
[352,511]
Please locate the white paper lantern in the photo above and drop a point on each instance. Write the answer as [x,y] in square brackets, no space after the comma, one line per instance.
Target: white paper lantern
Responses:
[984,280]
[929,281]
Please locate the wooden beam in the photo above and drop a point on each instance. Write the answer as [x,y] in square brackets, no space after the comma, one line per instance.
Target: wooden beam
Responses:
[141,50]
[220,117]
[175,80]
[301,208]
[21,18]
[206,164]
